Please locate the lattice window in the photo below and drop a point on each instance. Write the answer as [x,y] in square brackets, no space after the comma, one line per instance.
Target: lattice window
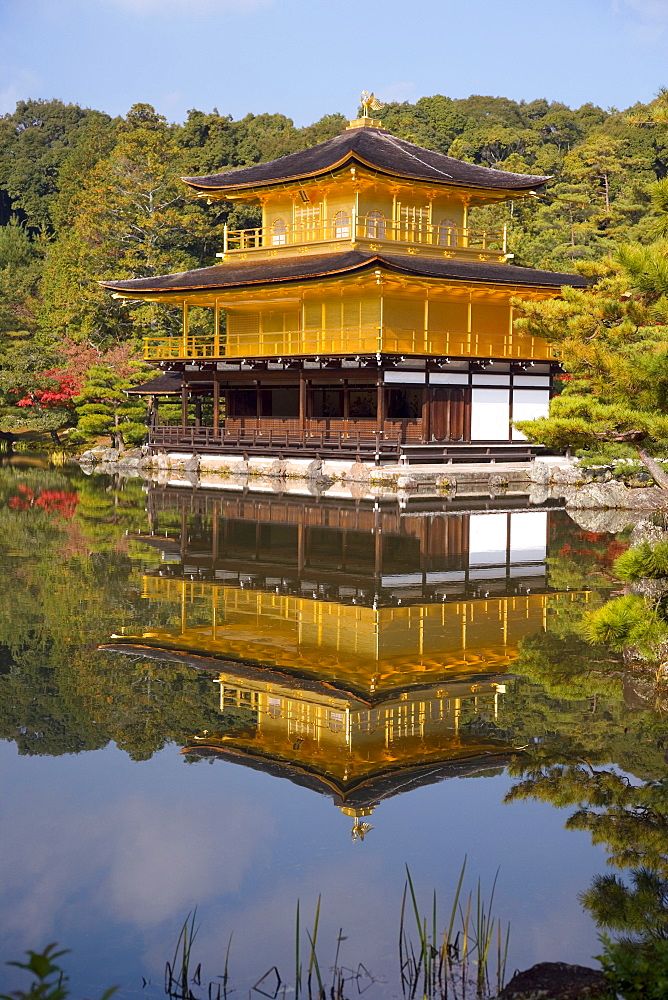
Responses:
[279,233]
[307,222]
[336,722]
[413,216]
[447,233]
[341,226]
[375,226]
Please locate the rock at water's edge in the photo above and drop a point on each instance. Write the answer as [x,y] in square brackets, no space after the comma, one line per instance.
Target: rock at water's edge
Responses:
[617,496]
[556,981]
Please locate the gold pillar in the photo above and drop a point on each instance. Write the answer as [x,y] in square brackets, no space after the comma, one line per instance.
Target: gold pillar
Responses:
[185,328]
[216,330]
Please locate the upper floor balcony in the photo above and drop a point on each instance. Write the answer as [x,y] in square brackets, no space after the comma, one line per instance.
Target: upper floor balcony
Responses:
[348,341]
[368,232]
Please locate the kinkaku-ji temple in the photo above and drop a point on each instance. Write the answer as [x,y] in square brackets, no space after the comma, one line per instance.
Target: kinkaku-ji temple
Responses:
[355,651]
[365,317]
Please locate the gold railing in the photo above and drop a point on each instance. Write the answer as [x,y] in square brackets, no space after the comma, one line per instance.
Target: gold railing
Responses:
[348,340]
[439,236]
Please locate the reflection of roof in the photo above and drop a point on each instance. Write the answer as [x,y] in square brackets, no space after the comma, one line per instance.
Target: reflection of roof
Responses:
[374,147]
[369,790]
[291,678]
[244,670]
[304,267]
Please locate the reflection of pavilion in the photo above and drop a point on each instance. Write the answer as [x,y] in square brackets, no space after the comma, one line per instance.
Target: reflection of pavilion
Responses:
[357,651]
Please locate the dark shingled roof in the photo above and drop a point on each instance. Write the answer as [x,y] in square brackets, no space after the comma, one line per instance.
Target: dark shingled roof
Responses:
[163,385]
[373,147]
[282,269]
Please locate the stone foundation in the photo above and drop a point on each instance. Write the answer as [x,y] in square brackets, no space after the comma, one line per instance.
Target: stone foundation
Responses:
[538,481]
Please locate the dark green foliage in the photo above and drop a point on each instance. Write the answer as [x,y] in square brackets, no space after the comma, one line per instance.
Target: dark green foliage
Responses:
[636,972]
[644,560]
[640,909]
[628,621]
[49,978]
[104,408]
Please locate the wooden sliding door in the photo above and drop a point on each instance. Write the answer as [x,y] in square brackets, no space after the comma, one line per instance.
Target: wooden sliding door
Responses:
[449,413]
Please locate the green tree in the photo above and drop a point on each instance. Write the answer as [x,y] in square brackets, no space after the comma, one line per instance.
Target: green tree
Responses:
[613,341]
[131,219]
[35,142]
[104,408]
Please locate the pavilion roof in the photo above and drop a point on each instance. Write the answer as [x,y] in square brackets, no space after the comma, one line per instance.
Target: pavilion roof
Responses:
[371,147]
[279,270]
[367,789]
[168,384]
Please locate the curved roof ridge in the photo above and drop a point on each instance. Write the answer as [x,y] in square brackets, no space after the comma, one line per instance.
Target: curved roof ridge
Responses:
[277,270]
[396,142]
[372,147]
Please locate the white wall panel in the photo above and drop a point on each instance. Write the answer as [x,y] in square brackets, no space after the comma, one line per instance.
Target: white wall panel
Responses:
[488,539]
[528,536]
[490,414]
[529,404]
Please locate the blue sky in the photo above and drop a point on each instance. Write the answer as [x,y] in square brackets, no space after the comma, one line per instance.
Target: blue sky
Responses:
[307,58]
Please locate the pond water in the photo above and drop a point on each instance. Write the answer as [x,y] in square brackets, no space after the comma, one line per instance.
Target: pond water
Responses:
[236,703]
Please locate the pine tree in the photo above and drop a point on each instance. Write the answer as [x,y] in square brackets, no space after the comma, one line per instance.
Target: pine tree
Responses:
[103,406]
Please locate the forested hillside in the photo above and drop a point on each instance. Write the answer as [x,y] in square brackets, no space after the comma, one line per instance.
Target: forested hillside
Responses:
[85,196]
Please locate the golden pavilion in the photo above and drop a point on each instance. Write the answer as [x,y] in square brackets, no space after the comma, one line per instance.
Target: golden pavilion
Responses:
[366,317]
[356,651]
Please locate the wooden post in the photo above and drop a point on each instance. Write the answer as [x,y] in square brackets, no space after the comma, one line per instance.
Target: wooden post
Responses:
[215,520]
[303,386]
[184,403]
[216,404]
[380,405]
[150,411]
[198,411]
[183,540]
[377,548]
[426,414]
[300,548]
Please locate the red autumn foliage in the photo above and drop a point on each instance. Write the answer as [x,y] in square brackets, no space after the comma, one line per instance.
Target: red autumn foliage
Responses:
[60,394]
[59,502]
[68,381]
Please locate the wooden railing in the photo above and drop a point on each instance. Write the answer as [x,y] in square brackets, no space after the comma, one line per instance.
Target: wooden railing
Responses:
[342,442]
[346,340]
[439,235]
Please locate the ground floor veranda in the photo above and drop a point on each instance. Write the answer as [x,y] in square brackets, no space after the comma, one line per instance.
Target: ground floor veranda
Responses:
[367,408]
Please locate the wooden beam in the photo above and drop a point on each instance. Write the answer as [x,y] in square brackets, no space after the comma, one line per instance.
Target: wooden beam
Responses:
[184,403]
[216,403]
[380,405]
[303,385]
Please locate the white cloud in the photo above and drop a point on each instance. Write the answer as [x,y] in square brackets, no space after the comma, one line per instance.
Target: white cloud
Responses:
[23,84]
[9,96]
[134,859]
[649,16]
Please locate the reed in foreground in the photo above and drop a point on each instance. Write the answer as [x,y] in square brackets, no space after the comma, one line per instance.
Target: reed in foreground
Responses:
[466,959]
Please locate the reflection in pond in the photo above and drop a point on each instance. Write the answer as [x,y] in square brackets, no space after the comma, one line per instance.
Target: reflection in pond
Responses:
[356,651]
[359,651]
